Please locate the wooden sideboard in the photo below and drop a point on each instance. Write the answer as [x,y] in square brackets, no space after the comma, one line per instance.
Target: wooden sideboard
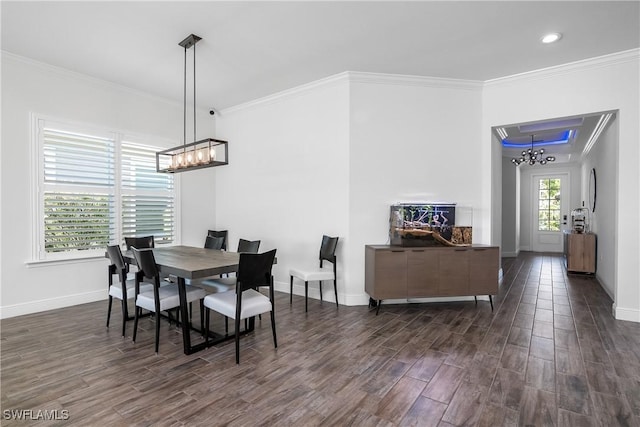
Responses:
[580,252]
[396,272]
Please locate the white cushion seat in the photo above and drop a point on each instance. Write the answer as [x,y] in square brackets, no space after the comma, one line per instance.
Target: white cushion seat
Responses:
[253,303]
[116,290]
[215,285]
[312,273]
[169,297]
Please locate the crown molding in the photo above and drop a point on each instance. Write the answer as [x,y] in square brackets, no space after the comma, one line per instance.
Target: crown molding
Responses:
[632,55]
[358,77]
[66,73]
[409,80]
[287,93]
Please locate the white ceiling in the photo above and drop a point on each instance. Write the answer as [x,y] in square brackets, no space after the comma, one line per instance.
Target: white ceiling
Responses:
[253,49]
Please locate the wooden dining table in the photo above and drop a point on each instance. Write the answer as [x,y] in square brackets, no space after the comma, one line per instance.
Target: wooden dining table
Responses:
[187,262]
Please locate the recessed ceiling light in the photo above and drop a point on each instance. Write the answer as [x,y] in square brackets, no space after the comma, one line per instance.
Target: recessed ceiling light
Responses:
[551,37]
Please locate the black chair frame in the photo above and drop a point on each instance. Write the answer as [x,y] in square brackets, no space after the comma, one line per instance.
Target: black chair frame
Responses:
[149,269]
[254,271]
[119,267]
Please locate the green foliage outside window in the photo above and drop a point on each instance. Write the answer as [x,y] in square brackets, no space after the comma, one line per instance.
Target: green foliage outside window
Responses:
[549,204]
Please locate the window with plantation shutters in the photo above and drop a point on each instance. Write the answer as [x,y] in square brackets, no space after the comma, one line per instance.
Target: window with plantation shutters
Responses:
[95,188]
[147,197]
[77,196]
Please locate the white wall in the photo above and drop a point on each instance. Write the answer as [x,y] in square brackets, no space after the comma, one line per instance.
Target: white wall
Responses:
[510,209]
[411,139]
[603,157]
[332,157]
[287,181]
[30,87]
[600,84]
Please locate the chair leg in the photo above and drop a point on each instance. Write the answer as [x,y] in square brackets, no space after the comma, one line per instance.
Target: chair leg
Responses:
[320,285]
[238,340]
[273,328]
[335,290]
[109,310]
[290,293]
[125,315]
[491,301]
[206,328]
[306,294]
[226,325]
[157,331]
[190,310]
[202,315]
[135,323]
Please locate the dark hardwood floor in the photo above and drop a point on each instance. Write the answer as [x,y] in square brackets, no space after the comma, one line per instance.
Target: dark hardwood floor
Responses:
[550,354]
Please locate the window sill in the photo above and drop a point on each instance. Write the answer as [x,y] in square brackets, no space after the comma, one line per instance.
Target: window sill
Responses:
[52,262]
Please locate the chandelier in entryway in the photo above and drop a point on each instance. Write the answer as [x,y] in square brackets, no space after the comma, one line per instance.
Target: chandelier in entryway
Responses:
[532,156]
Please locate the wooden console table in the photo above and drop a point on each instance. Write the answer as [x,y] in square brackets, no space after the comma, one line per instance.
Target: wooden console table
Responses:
[396,272]
[580,252]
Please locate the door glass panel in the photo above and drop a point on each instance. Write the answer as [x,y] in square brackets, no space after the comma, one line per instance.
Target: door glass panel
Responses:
[549,204]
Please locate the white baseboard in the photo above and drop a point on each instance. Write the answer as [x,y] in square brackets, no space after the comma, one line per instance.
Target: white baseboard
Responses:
[360,299]
[629,314]
[327,295]
[51,304]
[510,254]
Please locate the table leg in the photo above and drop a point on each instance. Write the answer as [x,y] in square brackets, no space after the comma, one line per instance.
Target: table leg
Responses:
[184,314]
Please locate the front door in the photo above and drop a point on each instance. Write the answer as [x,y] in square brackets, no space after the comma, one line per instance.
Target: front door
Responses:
[550,208]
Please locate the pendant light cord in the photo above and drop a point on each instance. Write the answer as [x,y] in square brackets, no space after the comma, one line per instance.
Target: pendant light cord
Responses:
[194,92]
[184,101]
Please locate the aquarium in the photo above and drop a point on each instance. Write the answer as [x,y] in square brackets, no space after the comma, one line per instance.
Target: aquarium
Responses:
[429,224]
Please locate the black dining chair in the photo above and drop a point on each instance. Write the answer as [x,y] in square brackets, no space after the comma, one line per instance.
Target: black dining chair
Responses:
[226,284]
[254,271]
[125,289]
[160,298]
[220,233]
[142,242]
[139,242]
[212,242]
[327,253]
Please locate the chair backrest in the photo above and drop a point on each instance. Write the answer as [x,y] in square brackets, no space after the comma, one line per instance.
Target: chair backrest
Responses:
[254,270]
[139,242]
[221,233]
[146,262]
[328,249]
[115,255]
[248,246]
[214,242]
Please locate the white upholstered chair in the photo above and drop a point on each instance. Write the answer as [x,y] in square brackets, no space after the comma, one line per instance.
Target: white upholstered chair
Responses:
[321,273]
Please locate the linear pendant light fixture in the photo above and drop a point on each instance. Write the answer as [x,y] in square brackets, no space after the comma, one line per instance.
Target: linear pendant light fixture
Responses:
[201,154]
